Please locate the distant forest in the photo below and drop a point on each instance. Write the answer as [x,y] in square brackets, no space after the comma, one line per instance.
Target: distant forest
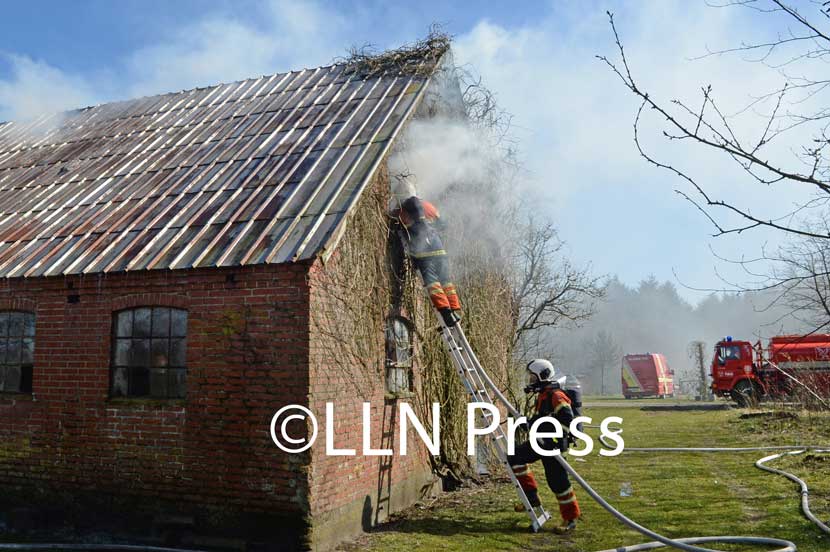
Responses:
[653,317]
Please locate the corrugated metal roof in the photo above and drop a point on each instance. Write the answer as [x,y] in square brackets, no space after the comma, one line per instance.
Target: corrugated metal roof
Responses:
[257,171]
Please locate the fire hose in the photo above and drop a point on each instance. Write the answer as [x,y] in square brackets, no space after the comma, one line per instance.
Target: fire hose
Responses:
[689,543]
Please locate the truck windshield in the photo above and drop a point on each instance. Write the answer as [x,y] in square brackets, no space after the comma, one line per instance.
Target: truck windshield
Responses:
[729,352]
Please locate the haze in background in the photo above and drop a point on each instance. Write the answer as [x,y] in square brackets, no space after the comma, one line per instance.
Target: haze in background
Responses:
[653,317]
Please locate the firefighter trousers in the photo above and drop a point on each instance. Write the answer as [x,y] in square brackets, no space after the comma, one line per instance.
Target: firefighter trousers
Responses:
[555,474]
[435,271]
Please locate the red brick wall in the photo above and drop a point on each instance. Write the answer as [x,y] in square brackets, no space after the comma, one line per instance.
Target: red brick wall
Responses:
[352,292]
[247,355]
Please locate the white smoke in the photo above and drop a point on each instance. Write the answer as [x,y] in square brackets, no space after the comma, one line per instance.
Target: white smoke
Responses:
[36,88]
[458,153]
[458,166]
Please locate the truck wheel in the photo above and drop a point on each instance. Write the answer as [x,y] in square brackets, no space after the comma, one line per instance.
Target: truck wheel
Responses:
[745,394]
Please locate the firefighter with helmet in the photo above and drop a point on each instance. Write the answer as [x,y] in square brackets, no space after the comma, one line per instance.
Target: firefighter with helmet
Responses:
[552,401]
[419,224]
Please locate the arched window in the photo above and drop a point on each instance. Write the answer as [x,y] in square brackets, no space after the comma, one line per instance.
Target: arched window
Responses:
[17,351]
[398,355]
[149,353]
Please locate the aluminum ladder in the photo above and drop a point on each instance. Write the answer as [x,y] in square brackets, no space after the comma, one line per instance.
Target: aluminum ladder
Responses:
[482,389]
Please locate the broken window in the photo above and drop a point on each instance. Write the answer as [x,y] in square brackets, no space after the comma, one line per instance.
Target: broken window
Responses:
[17,350]
[398,355]
[149,353]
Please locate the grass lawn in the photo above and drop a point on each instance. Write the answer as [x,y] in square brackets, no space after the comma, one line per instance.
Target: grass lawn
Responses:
[676,494]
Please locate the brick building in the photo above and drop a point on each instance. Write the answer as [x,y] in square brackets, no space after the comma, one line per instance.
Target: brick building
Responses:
[170,270]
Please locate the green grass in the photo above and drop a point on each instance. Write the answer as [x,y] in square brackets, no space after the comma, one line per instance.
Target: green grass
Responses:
[679,495]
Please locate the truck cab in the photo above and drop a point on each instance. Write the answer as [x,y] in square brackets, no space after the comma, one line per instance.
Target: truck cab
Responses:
[734,372]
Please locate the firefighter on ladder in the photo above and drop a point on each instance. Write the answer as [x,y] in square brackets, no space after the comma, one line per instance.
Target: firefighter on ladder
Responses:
[419,224]
[552,401]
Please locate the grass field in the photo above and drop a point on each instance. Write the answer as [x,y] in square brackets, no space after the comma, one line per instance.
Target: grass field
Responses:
[676,494]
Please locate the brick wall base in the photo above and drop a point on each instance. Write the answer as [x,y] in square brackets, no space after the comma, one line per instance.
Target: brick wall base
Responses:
[83,516]
[334,526]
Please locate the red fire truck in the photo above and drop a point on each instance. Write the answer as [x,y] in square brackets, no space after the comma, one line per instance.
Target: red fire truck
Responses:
[646,375]
[748,373]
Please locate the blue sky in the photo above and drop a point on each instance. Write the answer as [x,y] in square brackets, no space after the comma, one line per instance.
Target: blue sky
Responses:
[572,118]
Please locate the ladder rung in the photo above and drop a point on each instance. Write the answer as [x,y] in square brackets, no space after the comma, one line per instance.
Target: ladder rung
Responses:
[473,376]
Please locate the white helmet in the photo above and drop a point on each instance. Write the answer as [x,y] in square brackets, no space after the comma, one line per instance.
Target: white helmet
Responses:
[402,189]
[541,368]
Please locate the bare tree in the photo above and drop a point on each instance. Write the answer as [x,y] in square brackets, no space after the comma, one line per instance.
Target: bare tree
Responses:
[798,274]
[795,116]
[786,153]
[548,289]
[697,352]
[604,355]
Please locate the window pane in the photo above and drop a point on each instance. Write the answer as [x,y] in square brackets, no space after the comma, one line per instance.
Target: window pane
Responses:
[13,351]
[158,382]
[4,324]
[176,381]
[16,324]
[122,352]
[139,382]
[27,354]
[3,346]
[140,352]
[401,331]
[141,323]
[160,352]
[161,322]
[119,382]
[178,352]
[397,380]
[13,378]
[403,344]
[26,379]
[3,379]
[144,352]
[124,325]
[179,323]
[29,325]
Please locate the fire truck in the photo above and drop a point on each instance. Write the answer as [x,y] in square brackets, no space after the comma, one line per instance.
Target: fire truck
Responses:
[748,373]
[646,375]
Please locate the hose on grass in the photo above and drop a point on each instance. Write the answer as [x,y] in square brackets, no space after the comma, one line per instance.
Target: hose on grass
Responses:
[689,543]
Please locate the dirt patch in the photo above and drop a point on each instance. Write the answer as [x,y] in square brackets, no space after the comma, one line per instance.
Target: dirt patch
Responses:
[752,514]
[774,415]
[817,460]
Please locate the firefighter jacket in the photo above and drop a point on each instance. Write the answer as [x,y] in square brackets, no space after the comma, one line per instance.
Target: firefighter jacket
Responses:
[554,402]
[420,220]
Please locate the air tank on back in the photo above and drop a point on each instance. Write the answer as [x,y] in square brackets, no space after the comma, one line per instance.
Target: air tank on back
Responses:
[573,388]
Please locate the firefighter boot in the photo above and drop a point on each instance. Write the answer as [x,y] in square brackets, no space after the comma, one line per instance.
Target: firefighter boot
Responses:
[450,318]
[565,528]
